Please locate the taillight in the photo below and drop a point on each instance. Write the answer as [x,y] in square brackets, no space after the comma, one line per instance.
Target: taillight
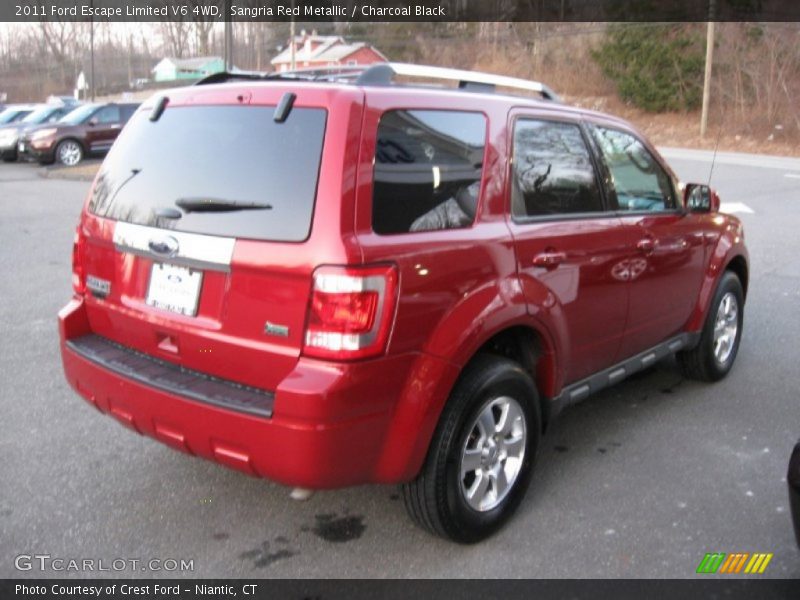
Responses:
[78,268]
[351,311]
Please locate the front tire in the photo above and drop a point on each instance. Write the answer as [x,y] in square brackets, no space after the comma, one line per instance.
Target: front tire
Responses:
[714,355]
[481,457]
[69,153]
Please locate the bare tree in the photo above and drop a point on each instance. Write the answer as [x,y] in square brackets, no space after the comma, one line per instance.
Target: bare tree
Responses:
[57,38]
[175,35]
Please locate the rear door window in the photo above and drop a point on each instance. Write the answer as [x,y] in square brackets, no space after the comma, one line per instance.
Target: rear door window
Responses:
[221,170]
[553,173]
[107,114]
[428,166]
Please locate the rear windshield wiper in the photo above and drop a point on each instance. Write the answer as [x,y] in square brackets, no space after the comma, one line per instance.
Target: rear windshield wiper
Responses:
[217,205]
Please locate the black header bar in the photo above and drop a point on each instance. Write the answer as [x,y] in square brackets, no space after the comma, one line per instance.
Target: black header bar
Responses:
[287,589]
[398,10]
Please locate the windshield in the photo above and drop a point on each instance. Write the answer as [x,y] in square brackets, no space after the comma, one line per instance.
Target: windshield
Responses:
[79,115]
[40,115]
[10,115]
[220,170]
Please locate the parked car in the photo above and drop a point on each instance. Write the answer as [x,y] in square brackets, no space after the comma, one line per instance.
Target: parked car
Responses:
[15,112]
[326,279]
[793,478]
[89,129]
[44,114]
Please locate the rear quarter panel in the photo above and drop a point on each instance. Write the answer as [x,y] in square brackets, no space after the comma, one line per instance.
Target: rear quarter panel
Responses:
[458,287]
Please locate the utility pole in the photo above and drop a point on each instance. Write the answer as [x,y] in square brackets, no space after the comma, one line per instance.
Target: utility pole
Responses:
[707,75]
[91,49]
[227,42]
[291,40]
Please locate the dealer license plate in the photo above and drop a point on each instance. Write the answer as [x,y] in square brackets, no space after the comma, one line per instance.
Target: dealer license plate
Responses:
[174,288]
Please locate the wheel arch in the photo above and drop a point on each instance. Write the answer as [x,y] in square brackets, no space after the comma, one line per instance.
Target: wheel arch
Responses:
[728,254]
[738,264]
[419,410]
[531,349]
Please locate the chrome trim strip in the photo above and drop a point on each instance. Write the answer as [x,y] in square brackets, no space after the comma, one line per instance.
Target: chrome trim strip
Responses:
[194,249]
[617,375]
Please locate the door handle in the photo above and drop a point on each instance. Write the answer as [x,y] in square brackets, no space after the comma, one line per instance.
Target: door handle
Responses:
[549,259]
[646,245]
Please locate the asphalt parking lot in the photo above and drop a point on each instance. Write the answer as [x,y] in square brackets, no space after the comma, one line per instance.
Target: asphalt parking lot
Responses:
[639,481]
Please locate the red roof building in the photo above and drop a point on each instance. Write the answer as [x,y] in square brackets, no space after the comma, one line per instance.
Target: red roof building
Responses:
[312,50]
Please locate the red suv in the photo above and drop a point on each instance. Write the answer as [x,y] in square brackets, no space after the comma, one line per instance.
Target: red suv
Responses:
[329,278]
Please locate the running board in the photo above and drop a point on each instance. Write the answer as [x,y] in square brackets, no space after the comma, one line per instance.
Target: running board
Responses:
[580,390]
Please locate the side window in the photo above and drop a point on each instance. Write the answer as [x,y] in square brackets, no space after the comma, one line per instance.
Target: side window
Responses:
[127,111]
[107,114]
[428,166]
[553,172]
[639,183]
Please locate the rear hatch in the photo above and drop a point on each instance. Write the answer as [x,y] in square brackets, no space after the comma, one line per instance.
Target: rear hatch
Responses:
[197,246]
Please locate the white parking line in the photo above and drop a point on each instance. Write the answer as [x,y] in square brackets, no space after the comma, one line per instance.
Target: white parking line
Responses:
[792,175]
[735,207]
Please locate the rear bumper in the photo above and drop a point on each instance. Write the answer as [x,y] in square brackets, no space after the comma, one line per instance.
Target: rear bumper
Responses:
[307,444]
[793,479]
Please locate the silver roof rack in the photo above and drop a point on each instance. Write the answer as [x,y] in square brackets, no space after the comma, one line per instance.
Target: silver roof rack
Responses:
[385,74]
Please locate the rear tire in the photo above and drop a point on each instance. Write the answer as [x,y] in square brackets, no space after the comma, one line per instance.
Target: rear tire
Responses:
[480,460]
[714,355]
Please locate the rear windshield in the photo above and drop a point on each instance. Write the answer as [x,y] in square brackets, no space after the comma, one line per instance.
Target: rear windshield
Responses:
[219,170]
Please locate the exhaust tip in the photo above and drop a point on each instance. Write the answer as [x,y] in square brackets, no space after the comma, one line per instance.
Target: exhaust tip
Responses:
[301,494]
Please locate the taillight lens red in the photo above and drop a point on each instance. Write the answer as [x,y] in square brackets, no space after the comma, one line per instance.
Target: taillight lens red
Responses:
[351,311]
[78,270]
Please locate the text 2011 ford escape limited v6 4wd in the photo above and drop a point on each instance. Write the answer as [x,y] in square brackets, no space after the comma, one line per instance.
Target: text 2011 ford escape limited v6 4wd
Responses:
[328,278]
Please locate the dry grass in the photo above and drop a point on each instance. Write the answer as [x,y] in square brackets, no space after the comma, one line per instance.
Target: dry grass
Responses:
[682,130]
[566,64]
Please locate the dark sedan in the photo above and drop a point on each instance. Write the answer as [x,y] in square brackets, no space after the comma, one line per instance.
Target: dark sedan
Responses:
[793,478]
[88,130]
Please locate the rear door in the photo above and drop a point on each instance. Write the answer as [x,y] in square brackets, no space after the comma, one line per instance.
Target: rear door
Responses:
[568,246]
[103,128]
[200,228]
[665,253]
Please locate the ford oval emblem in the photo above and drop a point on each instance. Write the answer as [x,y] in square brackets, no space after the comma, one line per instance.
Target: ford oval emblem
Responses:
[165,246]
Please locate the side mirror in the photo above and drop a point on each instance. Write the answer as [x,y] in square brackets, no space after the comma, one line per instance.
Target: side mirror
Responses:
[93,122]
[700,198]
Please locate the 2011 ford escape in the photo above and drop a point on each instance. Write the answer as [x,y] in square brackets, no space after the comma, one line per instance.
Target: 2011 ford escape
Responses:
[328,278]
